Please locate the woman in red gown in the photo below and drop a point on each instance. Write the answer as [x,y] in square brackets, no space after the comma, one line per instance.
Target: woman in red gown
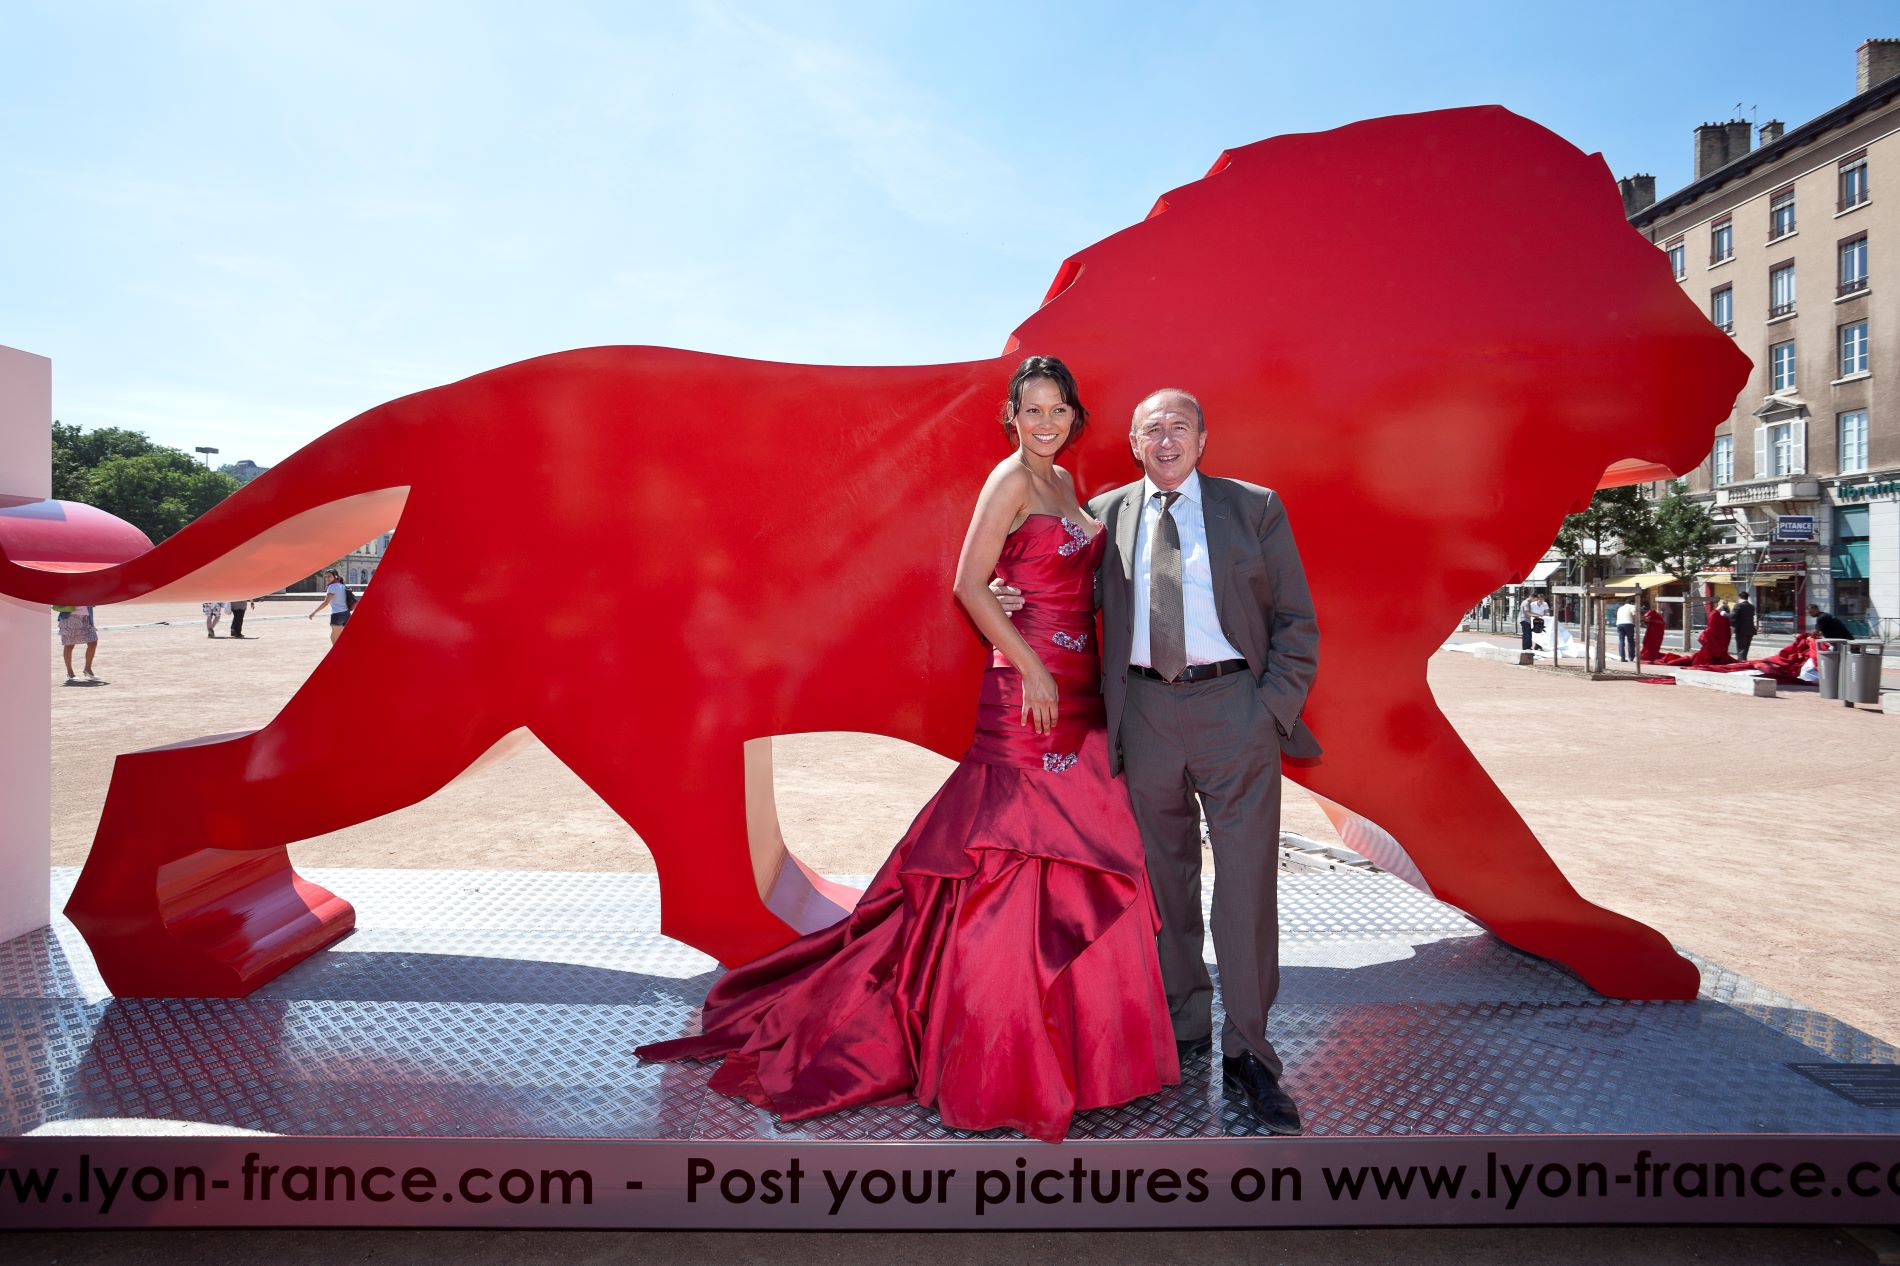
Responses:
[1001,966]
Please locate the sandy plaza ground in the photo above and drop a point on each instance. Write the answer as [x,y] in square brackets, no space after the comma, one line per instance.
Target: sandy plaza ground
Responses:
[1762,833]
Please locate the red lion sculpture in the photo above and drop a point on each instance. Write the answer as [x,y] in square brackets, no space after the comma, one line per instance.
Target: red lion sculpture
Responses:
[1431,334]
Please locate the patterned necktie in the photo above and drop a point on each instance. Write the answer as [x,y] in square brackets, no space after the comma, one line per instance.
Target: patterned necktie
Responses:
[1167,620]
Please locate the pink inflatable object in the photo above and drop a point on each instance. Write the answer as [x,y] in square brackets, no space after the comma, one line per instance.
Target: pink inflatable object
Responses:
[66,536]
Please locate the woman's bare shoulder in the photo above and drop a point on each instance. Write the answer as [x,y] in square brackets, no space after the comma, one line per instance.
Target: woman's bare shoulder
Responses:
[1007,481]
[1008,473]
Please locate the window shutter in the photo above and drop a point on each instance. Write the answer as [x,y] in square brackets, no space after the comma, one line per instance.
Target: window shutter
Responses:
[1762,469]
[1798,432]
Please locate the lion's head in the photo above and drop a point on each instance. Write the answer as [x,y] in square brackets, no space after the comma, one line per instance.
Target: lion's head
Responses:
[1450,299]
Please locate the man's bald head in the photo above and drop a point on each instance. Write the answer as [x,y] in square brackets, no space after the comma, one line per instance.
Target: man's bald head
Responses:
[1178,396]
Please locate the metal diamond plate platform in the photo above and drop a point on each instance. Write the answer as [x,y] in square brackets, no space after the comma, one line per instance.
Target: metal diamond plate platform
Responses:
[487,1004]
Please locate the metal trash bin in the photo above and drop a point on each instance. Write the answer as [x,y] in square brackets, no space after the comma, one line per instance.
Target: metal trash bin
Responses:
[1827,663]
[1865,658]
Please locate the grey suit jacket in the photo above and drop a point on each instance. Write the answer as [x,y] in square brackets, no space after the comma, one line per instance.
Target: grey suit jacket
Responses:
[1259,592]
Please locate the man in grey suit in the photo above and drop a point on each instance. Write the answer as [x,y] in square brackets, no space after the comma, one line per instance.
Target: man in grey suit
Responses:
[1209,644]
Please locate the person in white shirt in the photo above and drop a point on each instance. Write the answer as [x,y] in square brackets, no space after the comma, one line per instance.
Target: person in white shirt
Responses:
[1626,631]
[1531,617]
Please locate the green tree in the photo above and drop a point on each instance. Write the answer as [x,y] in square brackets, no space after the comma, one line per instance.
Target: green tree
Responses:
[156,489]
[69,477]
[1607,527]
[1681,540]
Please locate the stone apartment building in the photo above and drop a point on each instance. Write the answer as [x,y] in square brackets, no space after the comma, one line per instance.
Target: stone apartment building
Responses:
[1790,241]
[357,566]
[361,563]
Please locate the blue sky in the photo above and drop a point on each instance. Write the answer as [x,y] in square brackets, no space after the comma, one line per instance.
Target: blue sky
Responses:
[240,224]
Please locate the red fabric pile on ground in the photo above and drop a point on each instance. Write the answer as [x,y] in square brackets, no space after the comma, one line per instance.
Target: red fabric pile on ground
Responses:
[1784,665]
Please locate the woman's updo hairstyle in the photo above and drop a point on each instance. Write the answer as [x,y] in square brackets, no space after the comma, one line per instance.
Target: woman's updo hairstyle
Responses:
[1047,367]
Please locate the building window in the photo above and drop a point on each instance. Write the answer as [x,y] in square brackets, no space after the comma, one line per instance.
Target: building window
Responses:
[1721,240]
[1723,463]
[1781,449]
[1851,570]
[1781,290]
[1853,441]
[1781,214]
[1853,180]
[1678,259]
[1722,308]
[1854,348]
[1781,366]
[1854,264]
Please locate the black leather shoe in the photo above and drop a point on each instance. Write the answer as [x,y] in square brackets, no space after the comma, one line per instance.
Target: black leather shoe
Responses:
[1186,1048]
[1272,1107]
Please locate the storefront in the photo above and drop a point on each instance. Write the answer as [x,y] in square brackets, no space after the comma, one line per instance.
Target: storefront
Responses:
[1780,561]
[1864,561]
[1767,590]
[1852,598]
[1775,577]
[1781,600]
[1657,588]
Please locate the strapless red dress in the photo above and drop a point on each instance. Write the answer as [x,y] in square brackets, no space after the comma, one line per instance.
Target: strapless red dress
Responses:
[1001,966]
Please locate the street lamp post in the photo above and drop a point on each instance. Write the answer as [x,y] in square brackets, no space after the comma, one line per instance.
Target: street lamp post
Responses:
[206,454]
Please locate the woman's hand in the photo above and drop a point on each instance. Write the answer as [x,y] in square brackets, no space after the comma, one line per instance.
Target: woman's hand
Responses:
[1039,699]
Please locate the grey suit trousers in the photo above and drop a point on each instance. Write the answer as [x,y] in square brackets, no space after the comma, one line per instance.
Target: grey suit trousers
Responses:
[1215,741]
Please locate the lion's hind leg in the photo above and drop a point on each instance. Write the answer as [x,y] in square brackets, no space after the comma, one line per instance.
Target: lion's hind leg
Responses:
[188,888]
[174,902]
[1393,759]
[694,800]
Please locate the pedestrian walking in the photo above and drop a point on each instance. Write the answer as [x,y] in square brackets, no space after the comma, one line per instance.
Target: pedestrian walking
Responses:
[336,596]
[77,629]
[214,612]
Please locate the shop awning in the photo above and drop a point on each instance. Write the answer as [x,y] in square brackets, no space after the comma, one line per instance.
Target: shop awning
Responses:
[1541,572]
[1648,580]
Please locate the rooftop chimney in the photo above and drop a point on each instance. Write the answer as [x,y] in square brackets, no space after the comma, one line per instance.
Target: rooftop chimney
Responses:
[1711,148]
[1638,192]
[1879,62]
[1719,144]
[1771,131]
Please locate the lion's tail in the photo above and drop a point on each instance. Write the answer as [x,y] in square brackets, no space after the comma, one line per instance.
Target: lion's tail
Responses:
[328,498]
